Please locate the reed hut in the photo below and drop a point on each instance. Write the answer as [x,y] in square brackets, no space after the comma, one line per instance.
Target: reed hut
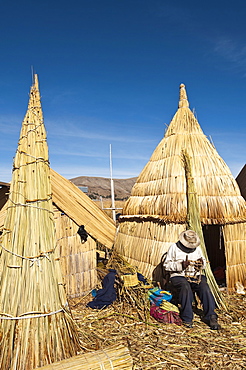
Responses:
[156,212]
[72,208]
[36,324]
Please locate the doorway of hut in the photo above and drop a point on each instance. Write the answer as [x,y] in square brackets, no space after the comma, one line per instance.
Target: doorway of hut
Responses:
[214,241]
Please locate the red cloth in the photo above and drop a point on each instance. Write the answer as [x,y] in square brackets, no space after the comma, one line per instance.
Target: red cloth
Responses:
[164,316]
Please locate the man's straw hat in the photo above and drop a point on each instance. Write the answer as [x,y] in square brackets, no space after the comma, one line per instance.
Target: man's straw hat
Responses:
[189,239]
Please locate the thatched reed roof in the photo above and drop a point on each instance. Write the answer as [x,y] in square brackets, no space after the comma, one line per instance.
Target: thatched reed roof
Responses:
[80,208]
[160,190]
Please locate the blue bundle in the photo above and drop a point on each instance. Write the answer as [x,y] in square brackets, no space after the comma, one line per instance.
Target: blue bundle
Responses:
[157,295]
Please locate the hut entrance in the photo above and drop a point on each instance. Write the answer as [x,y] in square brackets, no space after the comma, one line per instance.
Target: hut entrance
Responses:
[214,241]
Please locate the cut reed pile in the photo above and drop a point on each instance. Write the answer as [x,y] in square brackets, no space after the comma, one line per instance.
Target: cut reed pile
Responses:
[157,346]
[36,323]
[116,357]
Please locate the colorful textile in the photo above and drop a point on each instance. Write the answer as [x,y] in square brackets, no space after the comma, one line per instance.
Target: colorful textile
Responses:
[168,306]
[156,296]
[164,316]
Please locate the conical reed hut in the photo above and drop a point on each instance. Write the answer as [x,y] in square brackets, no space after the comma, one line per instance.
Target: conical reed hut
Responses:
[36,324]
[72,208]
[156,212]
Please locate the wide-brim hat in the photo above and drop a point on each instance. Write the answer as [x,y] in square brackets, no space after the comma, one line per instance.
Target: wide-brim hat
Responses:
[189,239]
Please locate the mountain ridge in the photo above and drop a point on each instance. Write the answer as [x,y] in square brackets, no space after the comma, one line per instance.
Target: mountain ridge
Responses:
[101,186]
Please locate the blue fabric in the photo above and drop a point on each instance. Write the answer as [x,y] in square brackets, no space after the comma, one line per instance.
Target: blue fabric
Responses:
[107,295]
[142,278]
[157,295]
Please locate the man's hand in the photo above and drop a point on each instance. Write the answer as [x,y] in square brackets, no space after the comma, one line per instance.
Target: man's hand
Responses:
[185,264]
[198,264]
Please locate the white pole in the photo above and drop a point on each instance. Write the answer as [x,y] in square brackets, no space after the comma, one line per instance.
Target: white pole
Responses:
[112,184]
[101,201]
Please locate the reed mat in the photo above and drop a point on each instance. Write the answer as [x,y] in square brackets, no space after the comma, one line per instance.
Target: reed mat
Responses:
[158,346]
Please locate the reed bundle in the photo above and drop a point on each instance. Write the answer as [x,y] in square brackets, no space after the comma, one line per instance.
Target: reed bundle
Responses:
[129,288]
[194,223]
[36,323]
[116,357]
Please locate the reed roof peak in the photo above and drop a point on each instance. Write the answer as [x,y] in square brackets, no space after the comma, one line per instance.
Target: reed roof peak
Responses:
[34,96]
[183,100]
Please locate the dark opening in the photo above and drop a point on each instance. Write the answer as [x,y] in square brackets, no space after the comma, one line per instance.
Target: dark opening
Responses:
[215,247]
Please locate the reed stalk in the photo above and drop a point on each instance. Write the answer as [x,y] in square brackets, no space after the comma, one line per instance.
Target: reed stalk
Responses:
[194,223]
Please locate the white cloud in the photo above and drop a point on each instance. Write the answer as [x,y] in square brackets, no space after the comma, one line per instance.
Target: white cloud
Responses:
[233,51]
[69,129]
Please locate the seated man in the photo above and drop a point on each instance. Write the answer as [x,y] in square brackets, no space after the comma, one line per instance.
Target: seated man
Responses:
[185,261]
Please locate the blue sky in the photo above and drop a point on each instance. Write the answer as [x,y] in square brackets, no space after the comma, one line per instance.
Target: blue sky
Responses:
[109,73]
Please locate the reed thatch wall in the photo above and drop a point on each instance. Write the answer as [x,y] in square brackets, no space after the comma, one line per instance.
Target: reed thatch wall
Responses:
[235,248]
[144,242]
[160,193]
[78,260]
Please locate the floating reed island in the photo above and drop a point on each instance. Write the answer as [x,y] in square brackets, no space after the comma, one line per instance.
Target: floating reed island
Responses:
[186,184]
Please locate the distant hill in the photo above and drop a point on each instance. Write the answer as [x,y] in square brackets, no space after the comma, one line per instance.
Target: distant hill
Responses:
[100,186]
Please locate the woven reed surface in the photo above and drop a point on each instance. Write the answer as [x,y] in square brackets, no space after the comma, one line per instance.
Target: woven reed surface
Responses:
[82,210]
[78,259]
[116,357]
[144,243]
[161,188]
[31,286]
[234,237]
